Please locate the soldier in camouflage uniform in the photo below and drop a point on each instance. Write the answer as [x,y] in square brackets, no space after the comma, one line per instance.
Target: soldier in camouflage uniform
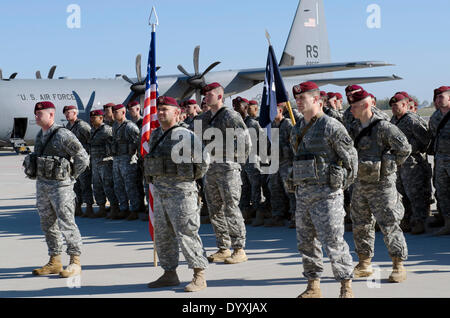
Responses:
[55,148]
[176,209]
[440,131]
[102,162]
[191,107]
[251,202]
[281,199]
[381,148]
[324,163]
[83,186]
[126,142]
[134,109]
[108,114]
[253,109]
[223,179]
[412,174]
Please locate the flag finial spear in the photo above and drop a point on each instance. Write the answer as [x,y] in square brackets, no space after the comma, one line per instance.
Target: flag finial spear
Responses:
[153,19]
[268,36]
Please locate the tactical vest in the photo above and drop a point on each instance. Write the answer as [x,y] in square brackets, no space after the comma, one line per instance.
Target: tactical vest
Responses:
[158,162]
[121,144]
[99,145]
[52,164]
[314,155]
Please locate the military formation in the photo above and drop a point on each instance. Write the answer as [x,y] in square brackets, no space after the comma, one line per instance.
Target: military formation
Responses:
[337,169]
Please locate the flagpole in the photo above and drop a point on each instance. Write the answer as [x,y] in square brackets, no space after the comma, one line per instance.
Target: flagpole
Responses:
[288,103]
[153,23]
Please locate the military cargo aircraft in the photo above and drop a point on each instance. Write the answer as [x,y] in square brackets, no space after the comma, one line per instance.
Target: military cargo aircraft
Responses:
[306,53]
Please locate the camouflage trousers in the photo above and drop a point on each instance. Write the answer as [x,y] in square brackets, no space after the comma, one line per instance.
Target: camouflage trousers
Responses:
[319,219]
[223,191]
[56,207]
[378,203]
[177,221]
[83,187]
[125,184]
[442,184]
[251,186]
[282,201]
[413,181]
[103,182]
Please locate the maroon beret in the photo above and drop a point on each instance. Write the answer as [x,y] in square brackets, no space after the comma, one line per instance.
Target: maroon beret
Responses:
[117,107]
[331,95]
[240,99]
[253,102]
[97,112]
[304,87]
[352,88]
[358,96]
[166,100]
[69,108]
[338,95]
[108,105]
[209,87]
[133,103]
[396,98]
[440,90]
[404,94]
[191,102]
[43,105]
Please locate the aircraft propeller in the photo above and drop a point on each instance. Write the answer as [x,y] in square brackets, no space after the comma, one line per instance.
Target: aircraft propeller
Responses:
[12,76]
[51,72]
[196,81]
[138,87]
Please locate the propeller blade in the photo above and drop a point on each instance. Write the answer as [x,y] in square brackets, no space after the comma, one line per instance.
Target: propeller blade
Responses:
[182,70]
[213,65]
[38,75]
[157,68]
[127,79]
[1,74]
[196,58]
[51,72]
[12,76]
[78,100]
[138,67]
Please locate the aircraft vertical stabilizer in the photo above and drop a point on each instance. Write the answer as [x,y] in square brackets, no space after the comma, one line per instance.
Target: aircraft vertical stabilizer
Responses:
[307,43]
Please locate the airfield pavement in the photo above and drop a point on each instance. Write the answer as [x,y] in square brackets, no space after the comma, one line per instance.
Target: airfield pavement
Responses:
[117,258]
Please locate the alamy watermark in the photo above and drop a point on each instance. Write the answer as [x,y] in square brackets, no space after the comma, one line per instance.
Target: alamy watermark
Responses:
[238,145]
[374,19]
[74,19]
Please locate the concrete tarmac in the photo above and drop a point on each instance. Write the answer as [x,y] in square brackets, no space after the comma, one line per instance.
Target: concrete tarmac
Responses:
[117,258]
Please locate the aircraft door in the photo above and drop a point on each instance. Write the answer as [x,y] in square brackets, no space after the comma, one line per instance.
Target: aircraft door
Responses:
[20,128]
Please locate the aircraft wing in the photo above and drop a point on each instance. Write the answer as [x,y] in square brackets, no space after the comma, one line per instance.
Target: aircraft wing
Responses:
[258,74]
[355,80]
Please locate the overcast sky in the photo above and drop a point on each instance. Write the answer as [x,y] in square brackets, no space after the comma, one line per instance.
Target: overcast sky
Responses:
[413,35]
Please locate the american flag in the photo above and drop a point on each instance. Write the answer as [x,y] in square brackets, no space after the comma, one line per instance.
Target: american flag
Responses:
[150,121]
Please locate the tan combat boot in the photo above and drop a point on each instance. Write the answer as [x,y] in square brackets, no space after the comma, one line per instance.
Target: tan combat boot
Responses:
[220,255]
[237,257]
[364,267]
[101,211]
[312,290]
[78,211]
[89,212]
[54,266]
[398,274]
[346,289]
[259,219]
[169,278]
[133,216]
[446,229]
[73,269]
[198,282]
